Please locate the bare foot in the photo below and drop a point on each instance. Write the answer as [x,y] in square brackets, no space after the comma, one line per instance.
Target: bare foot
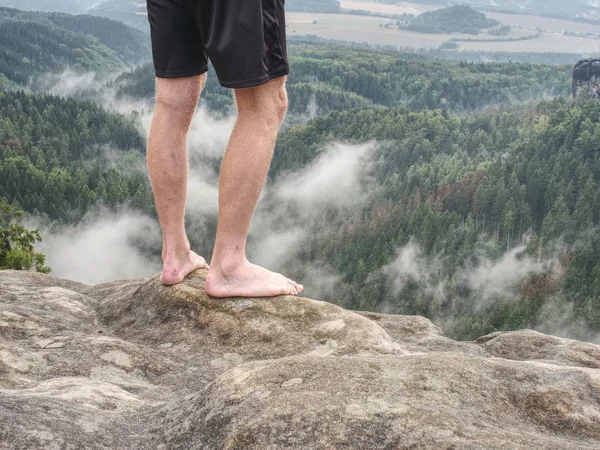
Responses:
[175,271]
[249,280]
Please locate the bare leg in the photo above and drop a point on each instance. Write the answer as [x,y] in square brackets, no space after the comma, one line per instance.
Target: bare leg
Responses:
[176,100]
[261,111]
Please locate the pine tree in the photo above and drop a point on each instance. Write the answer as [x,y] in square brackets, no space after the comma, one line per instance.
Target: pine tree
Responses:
[557,222]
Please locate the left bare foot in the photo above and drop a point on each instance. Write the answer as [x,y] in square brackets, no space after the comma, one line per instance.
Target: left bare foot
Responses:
[174,271]
[249,280]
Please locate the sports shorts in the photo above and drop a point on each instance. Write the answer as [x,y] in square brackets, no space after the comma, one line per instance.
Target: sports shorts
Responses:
[243,39]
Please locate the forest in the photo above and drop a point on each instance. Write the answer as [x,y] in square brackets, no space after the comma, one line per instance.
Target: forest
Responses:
[578,10]
[474,165]
[479,56]
[463,190]
[56,157]
[342,77]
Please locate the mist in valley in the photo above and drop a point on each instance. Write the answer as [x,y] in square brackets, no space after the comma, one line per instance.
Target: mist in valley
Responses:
[295,208]
[301,209]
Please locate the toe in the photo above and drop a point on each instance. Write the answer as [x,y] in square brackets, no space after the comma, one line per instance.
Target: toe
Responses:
[289,290]
[293,288]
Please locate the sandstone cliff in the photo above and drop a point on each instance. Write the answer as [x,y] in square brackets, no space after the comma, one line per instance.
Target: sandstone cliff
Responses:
[586,78]
[135,365]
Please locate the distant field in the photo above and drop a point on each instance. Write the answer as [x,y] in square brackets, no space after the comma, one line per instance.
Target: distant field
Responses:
[517,20]
[547,43]
[357,28]
[526,21]
[364,29]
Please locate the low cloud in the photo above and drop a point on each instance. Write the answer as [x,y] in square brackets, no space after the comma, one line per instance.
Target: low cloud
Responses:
[104,247]
[487,280]
[208,136]
[499,278]
[412,268]
[411,265]
[202,193]
[334,179]
[559,318]
[68,83]
[295,203]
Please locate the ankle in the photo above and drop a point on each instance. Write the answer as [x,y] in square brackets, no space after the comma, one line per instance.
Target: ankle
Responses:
[226,266]
[176,252]
[228,256]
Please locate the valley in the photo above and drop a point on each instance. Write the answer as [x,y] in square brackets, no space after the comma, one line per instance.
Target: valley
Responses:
[403,182]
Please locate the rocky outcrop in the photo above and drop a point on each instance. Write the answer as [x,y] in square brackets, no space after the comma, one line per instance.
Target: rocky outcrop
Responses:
[137,365]
[586,78]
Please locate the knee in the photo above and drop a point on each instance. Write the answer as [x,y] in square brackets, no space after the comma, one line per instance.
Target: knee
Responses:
[280,107]
[178,97]
[172,107]
[268,102]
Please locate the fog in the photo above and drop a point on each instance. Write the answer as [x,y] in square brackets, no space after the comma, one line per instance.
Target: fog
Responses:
[105,246]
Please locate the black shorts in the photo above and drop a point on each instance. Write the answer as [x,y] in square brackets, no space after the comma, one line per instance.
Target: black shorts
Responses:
[244,39]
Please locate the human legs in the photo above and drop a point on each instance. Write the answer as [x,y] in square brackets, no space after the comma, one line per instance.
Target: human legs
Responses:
[261,111]
[176,100]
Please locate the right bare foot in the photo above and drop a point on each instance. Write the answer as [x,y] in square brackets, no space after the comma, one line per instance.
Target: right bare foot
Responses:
[174,271]
[249,280]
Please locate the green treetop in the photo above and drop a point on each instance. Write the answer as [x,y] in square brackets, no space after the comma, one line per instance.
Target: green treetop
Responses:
[16,243]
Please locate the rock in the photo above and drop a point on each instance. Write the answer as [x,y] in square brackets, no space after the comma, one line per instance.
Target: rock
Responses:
[262,327]
[55,342]
[118,358]
[586,78]
[137,365]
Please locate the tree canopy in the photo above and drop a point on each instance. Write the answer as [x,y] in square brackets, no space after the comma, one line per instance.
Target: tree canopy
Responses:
[16,243]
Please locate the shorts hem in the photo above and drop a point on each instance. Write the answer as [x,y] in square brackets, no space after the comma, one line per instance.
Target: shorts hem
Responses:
[253,82]
[180,73]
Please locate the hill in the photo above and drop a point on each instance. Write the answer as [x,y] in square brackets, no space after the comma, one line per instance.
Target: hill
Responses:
[135,365]
[34,43]
[454,19]
[318,6]
[67,6]
[132,46]
[130,13]
[584,10]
